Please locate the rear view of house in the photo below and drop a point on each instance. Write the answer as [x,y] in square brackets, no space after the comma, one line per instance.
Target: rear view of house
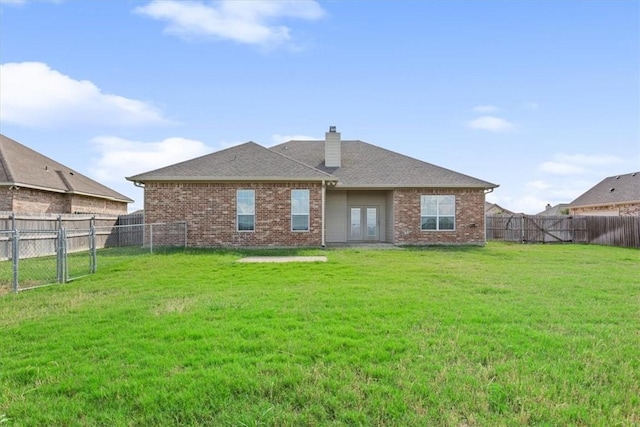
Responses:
[312,193]
[33,183]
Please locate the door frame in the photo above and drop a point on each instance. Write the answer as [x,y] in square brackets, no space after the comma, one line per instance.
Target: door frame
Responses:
[363,222]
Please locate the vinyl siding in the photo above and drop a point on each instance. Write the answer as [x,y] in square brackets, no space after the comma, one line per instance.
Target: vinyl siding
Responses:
[336,211]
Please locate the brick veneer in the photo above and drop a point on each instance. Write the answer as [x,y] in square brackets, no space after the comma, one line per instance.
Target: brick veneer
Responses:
[28,200]
[210,212]
[469,228]
[95,205]
[624,209]
[6,199]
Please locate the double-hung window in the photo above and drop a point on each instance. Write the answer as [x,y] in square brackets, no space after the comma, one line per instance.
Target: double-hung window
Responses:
[246,210]
[299,210]
[438,212]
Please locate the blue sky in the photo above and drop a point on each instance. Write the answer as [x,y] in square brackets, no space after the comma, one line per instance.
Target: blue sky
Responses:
[540,97]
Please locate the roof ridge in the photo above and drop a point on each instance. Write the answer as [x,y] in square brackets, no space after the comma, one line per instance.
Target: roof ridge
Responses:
[297,161]
[64,180]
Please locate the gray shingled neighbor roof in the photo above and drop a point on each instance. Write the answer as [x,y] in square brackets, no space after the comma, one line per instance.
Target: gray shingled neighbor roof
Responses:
[363,166]
[611,190]
[245,162]
[556,210]
[23,167]
[366,165]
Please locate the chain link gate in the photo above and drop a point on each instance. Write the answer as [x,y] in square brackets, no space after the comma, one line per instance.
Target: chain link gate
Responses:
[35,258]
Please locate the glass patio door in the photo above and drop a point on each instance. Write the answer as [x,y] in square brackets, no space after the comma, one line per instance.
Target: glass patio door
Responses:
[363,223]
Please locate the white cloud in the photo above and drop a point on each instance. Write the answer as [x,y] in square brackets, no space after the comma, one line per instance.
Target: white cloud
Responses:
[21,2]
[588,160]
[279,139]
[538,185]
[247,22]
[491,123]
[34,95]
[575,164]
[120,157]
[486,108]
[560,168]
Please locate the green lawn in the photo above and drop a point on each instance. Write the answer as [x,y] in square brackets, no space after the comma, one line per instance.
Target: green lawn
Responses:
[501,335]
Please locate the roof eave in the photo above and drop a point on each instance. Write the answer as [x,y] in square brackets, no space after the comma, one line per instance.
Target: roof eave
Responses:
[229,179]
[115,199]
[392,186]
[62,191]
[32,186]
[595,205]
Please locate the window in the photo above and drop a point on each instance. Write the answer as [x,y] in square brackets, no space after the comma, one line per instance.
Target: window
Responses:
[438,212]
[246,209]
[299,210]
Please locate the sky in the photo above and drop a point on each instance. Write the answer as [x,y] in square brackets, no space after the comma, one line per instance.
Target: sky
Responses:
[539,97]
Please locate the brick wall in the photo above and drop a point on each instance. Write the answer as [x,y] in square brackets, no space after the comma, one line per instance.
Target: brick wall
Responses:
[469,226]
[28,200]
[623,209]
[94,205]
[210,212]
[6,199]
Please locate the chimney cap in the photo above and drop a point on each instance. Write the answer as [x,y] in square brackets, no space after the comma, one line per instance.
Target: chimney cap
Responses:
[332,128]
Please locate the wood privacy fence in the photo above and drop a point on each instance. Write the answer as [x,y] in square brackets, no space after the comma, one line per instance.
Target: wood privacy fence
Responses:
[621,231]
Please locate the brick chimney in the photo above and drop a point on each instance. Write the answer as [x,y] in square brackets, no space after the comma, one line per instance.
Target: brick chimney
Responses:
[332,148]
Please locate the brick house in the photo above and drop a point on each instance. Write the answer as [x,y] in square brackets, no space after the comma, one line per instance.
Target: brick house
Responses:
[33,183]
[617,195]
[312,193]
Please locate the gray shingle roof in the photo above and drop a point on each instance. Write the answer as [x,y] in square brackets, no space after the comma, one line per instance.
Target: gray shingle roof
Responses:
[366,165]
[556,210]
[611,190]
[24,167]
[245,162]
[363,166]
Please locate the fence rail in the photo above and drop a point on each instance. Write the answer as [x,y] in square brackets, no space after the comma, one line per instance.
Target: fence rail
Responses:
[621,231]
[33,258]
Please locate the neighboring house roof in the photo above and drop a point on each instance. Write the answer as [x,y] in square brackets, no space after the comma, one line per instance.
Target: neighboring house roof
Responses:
[21,166]
[556,210]
[245,162]
[496,209]
[612,190]
[366,165]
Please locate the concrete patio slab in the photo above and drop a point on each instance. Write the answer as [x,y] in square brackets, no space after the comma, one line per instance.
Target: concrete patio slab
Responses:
[253,259]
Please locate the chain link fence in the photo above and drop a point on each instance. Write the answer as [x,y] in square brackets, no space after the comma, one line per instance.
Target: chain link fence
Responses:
[34,258]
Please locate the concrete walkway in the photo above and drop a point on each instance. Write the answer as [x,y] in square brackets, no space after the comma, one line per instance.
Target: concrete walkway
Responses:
[284,259]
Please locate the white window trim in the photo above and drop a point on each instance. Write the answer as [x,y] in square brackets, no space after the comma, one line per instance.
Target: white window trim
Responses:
[307,214]
[437,215]
[238,211]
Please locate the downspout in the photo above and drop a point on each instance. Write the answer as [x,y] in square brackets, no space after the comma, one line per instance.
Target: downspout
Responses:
[484,208]
[324,190]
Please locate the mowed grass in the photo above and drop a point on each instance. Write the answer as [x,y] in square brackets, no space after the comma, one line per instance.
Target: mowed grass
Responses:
[504,335]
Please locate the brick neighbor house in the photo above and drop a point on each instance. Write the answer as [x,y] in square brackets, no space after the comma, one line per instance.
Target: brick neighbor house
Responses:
[35,184]
[312,193]
[617,195]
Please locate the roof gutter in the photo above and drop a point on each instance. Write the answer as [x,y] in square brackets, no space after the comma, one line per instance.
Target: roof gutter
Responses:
[395,186]
[17,186]
[256,179]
